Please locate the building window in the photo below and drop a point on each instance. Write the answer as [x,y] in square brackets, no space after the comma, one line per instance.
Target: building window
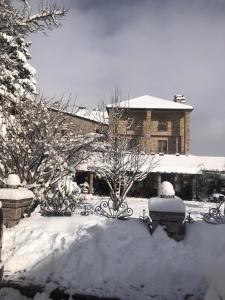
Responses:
[133,123]
[132,143]
[162,125]
[162,146]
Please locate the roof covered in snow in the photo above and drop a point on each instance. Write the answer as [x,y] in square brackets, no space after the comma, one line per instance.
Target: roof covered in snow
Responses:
[92,115]
[187,164]
[180,164]
[150,102]
[171,163]
[211,163]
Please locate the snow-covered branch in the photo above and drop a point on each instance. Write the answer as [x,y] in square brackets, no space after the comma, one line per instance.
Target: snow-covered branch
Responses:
[21,21]
[38,144]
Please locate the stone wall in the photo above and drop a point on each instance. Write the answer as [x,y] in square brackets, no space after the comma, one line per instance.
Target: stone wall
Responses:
[145,129]
[82,125]
[13,210]
[176,135]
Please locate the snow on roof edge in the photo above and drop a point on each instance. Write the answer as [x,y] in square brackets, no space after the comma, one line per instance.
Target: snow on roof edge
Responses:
[152,102]
[177,164]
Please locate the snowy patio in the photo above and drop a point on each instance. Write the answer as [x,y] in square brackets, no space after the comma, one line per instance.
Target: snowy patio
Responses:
[94,255]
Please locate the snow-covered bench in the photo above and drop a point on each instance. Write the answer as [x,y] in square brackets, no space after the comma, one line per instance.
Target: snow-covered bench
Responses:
[168,211]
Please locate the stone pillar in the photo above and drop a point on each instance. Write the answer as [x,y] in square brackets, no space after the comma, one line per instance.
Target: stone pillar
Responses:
[14,204]
[186,132]
[91,182]
[194,187]
[178,145]
[158,178]
[147,131]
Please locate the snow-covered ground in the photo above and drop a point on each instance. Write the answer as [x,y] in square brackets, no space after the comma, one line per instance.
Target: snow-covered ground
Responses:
[113,258]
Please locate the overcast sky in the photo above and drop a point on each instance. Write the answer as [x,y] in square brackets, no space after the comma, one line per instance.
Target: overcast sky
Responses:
[155,47]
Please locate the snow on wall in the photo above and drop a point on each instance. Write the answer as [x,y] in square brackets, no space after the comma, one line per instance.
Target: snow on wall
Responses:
[166,204]
[15,194]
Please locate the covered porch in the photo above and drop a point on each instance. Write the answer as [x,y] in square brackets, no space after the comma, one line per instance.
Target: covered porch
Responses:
[180,170]
[185,185]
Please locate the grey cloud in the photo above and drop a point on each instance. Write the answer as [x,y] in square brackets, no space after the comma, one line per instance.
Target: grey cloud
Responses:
[144,47]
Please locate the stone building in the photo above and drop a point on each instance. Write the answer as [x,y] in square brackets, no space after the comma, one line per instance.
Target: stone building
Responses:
[160,126]
[86,121]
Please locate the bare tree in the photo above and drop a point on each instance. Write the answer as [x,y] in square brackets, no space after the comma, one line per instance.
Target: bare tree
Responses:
[121,163]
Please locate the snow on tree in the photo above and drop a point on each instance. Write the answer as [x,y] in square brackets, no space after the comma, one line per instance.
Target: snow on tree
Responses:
[39,144]
[17,76]
[120,165]
[36,142]
[62,198]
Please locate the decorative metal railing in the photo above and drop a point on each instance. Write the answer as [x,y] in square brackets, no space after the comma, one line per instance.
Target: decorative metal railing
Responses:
[215,214]
[106,208]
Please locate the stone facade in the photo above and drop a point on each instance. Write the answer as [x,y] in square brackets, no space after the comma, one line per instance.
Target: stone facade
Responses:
[83,125]
[172,222]
[166,131]
[13,210]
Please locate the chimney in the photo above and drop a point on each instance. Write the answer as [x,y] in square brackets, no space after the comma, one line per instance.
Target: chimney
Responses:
[179,99]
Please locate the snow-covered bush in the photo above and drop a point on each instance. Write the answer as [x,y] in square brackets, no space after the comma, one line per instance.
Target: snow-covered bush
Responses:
[210,183]
[61,199]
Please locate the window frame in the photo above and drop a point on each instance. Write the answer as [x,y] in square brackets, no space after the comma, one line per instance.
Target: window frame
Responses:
[133,122]
[162,125]
[161,147]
